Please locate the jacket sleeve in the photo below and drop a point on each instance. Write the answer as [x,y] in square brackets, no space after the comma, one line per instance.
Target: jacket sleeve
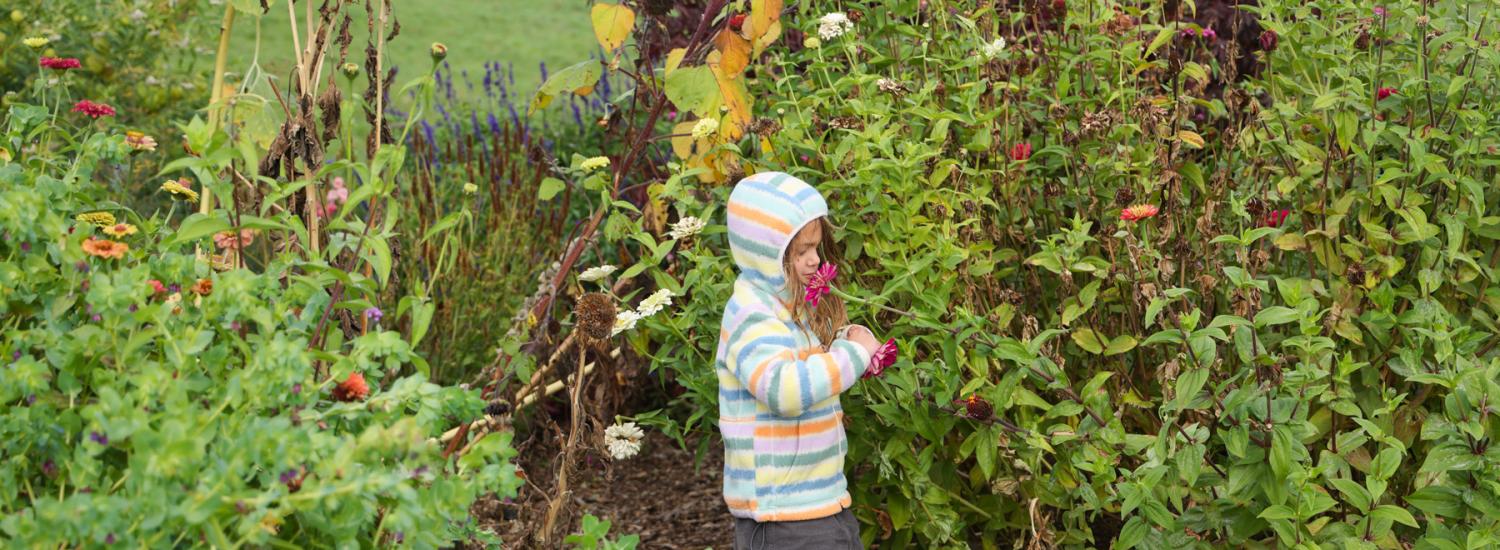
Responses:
[763,355]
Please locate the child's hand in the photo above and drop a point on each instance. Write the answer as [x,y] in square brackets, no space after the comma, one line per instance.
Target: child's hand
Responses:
[862,336]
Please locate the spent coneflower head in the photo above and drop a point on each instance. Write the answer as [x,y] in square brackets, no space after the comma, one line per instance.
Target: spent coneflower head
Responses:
[59,63]
[976,408]
[884,356]
[104,248]
[819,284]
[353,388]
[596,315]
[1138,212]
[93,109]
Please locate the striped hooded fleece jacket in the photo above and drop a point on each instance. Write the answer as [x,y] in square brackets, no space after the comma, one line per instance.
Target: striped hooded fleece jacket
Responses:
[779,412]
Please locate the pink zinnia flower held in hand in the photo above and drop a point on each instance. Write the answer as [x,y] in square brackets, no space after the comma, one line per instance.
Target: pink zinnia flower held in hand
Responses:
[93,110]
[60,63]
[818,284]
[884,356]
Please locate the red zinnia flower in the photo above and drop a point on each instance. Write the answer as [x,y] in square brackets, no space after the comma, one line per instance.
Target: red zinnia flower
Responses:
[1020,152]
[1274,218]
[884,356]
[156,286]
[352,389]
[94,110]
[737,21]
[818,284]
[1268,40]
[1138,212]
[1383,93]
[60,63]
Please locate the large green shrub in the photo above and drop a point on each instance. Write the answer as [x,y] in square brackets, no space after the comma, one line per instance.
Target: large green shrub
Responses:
[1290,343]
[157,397]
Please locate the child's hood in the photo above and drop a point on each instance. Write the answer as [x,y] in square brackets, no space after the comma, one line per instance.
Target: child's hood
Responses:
[766,211]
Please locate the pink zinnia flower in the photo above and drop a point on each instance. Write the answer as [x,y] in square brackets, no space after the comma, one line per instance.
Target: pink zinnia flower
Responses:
[335,197]
[1379,11]
[1139,212]
[227,239]
[156,286]
[1208,33]
[1020,152]
[884,356]
[1383,92]
[818,284]
[1275,218]
[60,63]
[93,110]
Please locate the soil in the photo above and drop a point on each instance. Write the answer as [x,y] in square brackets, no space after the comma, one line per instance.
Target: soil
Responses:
[660,494]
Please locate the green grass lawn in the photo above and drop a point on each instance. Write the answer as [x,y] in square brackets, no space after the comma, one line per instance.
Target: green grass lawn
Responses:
[522,32]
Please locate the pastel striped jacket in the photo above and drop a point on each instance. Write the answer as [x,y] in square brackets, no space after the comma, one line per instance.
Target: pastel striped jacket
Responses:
[779,410]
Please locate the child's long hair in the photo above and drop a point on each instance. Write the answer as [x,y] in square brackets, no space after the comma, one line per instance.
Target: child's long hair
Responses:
[826,319]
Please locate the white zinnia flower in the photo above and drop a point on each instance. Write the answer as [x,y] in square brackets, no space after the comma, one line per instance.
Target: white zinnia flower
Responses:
[686,227]
[624,440]
[596,273]
[833,25]
[993,49]
[705,128]
[594,163]
[654,303]
[624,321]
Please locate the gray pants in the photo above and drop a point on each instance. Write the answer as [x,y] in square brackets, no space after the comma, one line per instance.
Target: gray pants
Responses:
[836,532]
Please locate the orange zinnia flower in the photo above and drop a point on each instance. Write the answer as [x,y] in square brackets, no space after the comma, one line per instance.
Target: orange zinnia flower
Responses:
[1139,212]
[352,389]
[104,248]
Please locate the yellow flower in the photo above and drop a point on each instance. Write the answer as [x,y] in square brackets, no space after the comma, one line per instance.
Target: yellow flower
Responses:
[175,188]
[101,219]
[470,188]
[36,42]
[595,163]
[119,230]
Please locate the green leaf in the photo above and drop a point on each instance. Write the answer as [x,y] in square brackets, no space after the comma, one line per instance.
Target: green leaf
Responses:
[1438,500]
[550,188]
[1132,534]
[1188,385]
[1353,492]
[197,226]
[694,89]
[1451,457]
[1276,315]
[1281,451]
[1278,511]
[1120,344]
[1088,340]
[579,79]
[1396,514]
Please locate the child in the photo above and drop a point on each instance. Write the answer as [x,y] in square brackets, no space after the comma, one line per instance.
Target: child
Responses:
[781,369]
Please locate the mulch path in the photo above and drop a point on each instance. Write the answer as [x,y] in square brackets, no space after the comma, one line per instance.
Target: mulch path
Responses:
[660,494]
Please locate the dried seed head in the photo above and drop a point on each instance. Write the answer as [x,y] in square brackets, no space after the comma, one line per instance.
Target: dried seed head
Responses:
[596,315]
[1124,196]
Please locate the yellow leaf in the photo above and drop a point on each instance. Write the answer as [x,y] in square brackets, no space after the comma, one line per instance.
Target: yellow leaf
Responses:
[762,14]
[735,52]
[612,24]
[766,39]
[1191,138]
[1291,241]
[683,144]
[765,147]
[737,117]
[674,58]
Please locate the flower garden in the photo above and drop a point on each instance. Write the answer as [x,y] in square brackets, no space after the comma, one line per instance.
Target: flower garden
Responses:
[1141,274]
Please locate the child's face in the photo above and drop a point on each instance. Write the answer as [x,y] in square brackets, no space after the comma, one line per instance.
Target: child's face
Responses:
[803,252]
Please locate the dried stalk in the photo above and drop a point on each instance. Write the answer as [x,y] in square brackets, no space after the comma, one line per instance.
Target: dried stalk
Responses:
[221,60]
[555,507]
